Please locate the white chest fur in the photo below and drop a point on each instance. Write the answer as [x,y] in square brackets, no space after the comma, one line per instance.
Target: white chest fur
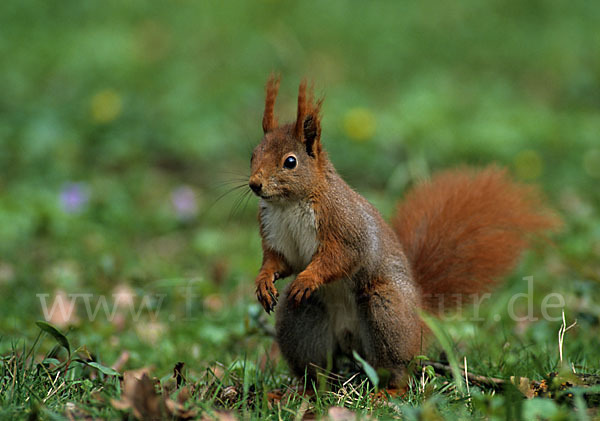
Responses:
[292,231]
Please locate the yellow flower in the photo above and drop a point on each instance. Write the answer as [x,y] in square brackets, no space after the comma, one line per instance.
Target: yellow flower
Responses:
[359,124]
[528,165]
[105,106]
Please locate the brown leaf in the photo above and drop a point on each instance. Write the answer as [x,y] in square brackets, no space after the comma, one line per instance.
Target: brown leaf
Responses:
[121,361]
[146,402]
[338,413]
[219,271]
[213,302]
[140,396]
[219,416]
[129,379]
[275,395]
[385,394]
[304,413]
[229,394]
[178,410]
[218,371]
[183,395]
[524,385]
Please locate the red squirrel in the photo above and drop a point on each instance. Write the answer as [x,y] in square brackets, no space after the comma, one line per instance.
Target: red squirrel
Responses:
[360,282]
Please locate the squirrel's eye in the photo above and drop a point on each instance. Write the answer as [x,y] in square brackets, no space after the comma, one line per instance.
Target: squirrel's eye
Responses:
[289,163]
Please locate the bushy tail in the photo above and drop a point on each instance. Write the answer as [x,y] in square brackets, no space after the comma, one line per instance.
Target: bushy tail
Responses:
[464,229]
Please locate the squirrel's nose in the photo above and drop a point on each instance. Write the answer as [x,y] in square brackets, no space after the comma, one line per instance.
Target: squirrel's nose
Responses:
[255,186]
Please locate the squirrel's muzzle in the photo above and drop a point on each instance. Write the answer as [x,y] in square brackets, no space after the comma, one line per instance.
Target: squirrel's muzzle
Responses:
[256,186]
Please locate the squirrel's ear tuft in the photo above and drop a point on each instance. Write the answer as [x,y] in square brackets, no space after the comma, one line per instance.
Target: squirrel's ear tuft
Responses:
[302,109]
[308,121]
[269,122]
[312,134]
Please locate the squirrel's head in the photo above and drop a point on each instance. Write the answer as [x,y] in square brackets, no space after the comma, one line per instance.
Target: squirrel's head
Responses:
[287,163]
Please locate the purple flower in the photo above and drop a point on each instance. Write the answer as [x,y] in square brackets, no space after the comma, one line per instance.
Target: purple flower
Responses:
[74,197]
[183,199]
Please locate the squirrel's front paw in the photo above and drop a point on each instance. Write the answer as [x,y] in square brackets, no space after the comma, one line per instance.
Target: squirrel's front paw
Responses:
[302,287]
[266,292]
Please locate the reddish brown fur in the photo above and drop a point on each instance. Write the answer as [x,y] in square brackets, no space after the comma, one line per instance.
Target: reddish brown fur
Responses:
[332,261]
[464,229]
[273,268]
[302,108]
[361,284]
[269,122]
[307,107]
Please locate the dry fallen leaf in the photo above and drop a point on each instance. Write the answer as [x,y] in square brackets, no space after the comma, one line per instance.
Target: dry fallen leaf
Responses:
[177,408]
[338,413]
[275,396]
[219,416]
[139,395]
[121,361]
[524,386]
[385,394]
[219,271]
[229,394]
[183,395]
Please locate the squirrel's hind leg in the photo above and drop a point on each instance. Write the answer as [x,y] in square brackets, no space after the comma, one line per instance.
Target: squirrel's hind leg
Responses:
[304,335]
[391,329]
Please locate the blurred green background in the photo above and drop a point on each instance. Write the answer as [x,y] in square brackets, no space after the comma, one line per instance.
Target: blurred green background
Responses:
[123,123]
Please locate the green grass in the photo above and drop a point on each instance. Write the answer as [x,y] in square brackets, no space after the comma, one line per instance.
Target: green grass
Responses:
[121,125]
